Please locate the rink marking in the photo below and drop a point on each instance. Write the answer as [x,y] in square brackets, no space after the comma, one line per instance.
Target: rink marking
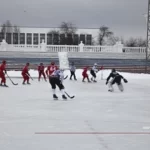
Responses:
[84,133]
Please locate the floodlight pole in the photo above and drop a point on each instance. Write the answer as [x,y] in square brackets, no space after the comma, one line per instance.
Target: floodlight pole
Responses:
[148,36]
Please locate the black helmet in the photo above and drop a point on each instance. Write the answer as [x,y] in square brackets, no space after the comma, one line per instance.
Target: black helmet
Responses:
[113,70]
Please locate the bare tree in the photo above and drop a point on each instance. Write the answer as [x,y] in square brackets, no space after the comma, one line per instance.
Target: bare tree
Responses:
[104,32]
[141,42]
[113,39]
[132,42]
[93,42]
[7,27]
[16,29]
[68,28]
[135,42]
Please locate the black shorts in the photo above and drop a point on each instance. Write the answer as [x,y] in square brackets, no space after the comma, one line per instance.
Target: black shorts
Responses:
[55,81]
[93,73]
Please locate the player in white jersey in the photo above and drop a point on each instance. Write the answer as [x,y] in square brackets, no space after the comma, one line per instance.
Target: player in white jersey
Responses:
[93,72]
[56,78]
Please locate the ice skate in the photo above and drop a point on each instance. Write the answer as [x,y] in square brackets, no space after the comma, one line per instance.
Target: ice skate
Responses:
[64,97]
[110,90]
[55,97]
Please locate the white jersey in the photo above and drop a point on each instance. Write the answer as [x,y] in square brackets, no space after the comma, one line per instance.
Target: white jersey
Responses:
[94,68]
[72,68]
[59,74]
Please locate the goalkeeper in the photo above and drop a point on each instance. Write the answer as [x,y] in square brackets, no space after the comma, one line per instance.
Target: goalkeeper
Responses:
[116,78]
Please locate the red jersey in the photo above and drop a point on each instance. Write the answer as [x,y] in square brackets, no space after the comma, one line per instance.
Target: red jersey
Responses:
[41,68]
[25,70]
[51,69]
[2,67]
[85,70]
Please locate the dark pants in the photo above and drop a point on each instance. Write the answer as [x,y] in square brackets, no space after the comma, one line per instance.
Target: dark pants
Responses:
[116,80]
[93,73]
[40,74]
[72,74]
[55,81]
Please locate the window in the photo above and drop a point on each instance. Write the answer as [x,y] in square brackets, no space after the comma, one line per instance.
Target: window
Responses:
[89,39]
[42,37]
[82,38]
[22,38]
[62,39]
[49,39]
[8,38]
[29,38]
[69,39]
[15,38]
[75,39]
[56,39]
[35,39]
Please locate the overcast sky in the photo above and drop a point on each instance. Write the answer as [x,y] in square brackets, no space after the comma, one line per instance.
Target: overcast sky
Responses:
[124,17]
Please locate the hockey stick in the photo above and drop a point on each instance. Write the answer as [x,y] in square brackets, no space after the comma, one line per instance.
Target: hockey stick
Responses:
[29,76]
[11,80]
[66,77]
[69,95]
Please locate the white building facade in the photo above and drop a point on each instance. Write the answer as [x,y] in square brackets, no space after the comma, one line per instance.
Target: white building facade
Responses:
[35,36]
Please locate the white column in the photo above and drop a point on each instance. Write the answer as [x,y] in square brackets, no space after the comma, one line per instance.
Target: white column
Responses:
[32,39]
[18,38]
[12,38]
[39,39]
[25,39]
[46,38]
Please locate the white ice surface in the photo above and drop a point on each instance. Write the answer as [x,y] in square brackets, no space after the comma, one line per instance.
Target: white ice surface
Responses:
[27,109]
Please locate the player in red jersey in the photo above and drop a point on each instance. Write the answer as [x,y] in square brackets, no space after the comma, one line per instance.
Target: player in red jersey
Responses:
[25,73]
[41,71]
[2,73]
[50,69]
[85,75]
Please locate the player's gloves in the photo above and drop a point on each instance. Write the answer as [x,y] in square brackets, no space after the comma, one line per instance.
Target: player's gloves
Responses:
[125,81]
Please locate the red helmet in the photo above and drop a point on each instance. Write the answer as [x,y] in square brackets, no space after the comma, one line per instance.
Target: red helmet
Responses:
[52,63]
[28,64]
[4,61]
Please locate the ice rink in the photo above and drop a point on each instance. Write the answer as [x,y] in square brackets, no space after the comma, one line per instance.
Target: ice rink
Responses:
[94,120]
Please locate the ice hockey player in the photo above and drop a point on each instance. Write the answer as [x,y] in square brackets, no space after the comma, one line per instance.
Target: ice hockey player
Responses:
[2,73]
[41,71]
[72,71]
[25,73]
[56,79]
[50,69]
[85,75]
[116,78]
[93,72]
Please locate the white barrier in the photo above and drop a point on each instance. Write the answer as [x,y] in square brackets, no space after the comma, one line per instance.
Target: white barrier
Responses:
[118,48]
